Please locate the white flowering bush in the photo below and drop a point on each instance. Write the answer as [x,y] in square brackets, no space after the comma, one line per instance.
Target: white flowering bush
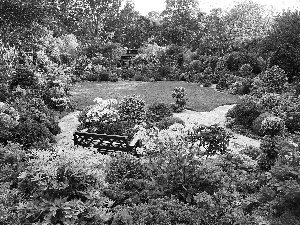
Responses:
[103,117]
[103,111]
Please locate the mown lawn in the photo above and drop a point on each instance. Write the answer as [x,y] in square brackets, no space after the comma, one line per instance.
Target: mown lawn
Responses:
[198,98]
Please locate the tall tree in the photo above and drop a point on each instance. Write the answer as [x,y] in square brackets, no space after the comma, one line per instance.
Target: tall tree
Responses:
[247,21]
[133,29]
[180,21]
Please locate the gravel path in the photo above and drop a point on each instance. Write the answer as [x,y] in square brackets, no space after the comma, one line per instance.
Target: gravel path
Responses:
[69,124]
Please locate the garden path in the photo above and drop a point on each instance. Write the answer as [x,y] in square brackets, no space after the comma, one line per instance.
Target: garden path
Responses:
[69,124]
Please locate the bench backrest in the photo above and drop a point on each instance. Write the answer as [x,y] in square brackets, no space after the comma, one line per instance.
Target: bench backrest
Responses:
[103,142]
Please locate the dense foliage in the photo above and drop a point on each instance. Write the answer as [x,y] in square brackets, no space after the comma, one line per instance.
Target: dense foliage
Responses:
[185,174]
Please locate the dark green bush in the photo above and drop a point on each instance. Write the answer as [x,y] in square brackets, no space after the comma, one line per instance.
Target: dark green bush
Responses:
[267,124]
[270,151]
[292,122]
[37,124]
[285,56]
[245,112]
[157,111]
[103,76]
[166,122]
[234,60]
[24,77]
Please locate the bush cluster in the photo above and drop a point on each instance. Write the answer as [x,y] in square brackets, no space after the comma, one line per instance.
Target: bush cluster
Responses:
[29,122]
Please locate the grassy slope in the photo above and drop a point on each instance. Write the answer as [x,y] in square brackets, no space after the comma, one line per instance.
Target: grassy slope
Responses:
[199,98]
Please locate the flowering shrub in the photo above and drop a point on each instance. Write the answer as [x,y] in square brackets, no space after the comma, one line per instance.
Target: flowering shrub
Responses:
[108,116]
[102,114]
[9,117]
[64,186]
[205,140]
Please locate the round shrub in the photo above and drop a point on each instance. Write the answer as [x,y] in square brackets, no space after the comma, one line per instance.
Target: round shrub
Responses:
[273,126]
[166,122]
[268,124]
[157,111]
[196,66]
[245,112]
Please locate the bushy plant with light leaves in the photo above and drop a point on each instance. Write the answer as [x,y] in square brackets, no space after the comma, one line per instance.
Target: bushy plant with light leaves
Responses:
[64,185]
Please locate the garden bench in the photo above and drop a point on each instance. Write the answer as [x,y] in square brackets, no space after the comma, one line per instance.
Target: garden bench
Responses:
[105,143]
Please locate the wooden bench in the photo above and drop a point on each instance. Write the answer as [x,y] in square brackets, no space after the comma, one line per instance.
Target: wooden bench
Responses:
[105,143]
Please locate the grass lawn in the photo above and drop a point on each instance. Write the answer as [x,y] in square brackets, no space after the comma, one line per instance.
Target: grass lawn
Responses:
[198,98]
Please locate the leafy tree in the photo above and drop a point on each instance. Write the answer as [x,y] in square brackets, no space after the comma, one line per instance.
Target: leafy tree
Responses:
[214,41]
[283,43]
[179,24]
[246,21]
